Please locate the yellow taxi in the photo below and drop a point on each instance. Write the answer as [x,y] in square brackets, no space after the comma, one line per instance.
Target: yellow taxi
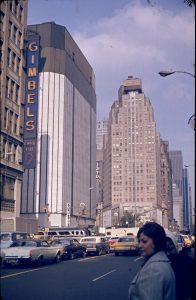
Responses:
[187,240]
[126,245]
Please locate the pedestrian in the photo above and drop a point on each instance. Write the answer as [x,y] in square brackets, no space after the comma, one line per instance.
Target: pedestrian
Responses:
[156,279]
[183,266]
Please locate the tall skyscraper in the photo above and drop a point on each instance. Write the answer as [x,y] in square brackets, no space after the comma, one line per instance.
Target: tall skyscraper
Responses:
[12,30]
[177,179]
[101,131]
[59,181]
[132,158]
[177,166]
[187,203]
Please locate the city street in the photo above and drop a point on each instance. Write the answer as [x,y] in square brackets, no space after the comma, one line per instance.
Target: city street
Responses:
[103,277]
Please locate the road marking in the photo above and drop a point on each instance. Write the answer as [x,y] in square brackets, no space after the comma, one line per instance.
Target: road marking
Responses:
[138,258]
[92,257]
[103,275]
[19,273]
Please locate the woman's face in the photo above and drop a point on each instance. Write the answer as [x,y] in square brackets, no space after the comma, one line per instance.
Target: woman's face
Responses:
[146,245]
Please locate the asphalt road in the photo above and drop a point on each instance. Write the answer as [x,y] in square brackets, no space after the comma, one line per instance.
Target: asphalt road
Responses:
[104,277]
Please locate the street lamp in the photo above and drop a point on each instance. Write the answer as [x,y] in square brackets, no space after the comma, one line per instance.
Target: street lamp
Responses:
[186,166]
[191,120]
[167,73]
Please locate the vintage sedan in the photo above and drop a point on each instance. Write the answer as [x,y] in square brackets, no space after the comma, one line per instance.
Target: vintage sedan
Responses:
[126,245]
[112,241]
[95,244]
[32,252]
[2,257]
[71,247]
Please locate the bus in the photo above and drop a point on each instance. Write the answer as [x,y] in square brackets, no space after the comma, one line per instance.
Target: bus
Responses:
[121,231]
[62,232]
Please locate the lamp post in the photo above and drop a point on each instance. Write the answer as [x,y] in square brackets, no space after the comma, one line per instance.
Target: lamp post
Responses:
[191,120]
[167,73]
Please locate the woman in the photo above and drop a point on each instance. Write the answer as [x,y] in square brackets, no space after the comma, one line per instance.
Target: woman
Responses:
[156,279]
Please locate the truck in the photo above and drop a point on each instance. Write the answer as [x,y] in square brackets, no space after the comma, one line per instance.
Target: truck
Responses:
[121,231]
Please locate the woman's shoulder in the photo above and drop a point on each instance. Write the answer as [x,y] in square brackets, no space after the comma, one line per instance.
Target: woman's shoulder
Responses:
[159,257]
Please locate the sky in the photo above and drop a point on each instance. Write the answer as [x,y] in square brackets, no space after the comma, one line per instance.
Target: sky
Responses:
[138,38]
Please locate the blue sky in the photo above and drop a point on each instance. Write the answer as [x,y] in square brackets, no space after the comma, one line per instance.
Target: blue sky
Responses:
[120,38]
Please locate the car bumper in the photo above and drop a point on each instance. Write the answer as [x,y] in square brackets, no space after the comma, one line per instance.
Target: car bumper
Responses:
[17,260]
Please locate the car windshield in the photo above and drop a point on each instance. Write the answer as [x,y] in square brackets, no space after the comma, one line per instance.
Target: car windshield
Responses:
[126,239]
[5,237]
[29,244]
[88,240]
[64,242]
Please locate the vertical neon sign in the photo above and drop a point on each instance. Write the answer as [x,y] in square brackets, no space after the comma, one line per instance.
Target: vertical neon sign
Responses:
[31,104]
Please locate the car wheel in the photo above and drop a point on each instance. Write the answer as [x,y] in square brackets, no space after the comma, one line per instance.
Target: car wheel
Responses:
[40,261]
[57,258]
[83,254]
[71,257]
[99,252]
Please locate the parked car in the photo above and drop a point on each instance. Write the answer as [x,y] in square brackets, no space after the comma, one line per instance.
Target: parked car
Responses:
[71,247]
[95,245]
[2,257]
[126,245]
[32,252]
[112,241]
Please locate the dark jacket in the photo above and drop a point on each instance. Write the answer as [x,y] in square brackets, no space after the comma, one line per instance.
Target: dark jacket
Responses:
[184,269]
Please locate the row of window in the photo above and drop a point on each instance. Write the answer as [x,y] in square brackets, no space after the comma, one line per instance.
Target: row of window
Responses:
[15,34]
[11,152]
[16,9]
[13,61]
[7,205]
[11,121]
[119,200]
[12,90]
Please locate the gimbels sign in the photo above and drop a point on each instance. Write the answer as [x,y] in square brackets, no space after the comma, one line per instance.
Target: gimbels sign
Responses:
[31,104]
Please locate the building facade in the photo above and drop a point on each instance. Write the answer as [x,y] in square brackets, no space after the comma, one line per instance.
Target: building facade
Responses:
[187,202]
[101,132]
[180,182]
[12,29]
[132,159]
[60,189]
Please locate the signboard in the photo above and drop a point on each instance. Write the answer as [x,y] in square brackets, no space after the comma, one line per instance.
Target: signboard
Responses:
[31,103]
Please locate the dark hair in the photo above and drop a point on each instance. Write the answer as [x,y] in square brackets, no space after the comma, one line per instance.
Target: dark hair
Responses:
[156,232]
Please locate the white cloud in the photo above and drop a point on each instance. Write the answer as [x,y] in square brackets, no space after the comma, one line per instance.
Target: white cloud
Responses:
[141,41]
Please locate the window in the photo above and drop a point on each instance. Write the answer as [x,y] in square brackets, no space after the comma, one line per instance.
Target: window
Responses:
[16,124]
[7,87]
[17,93]
[13,60]
[9,57]
[5,118]
[14,34]
[19,37]
[17,69]
[12,90]
[11,122]
[20,13]
[10,30]
[11,5]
